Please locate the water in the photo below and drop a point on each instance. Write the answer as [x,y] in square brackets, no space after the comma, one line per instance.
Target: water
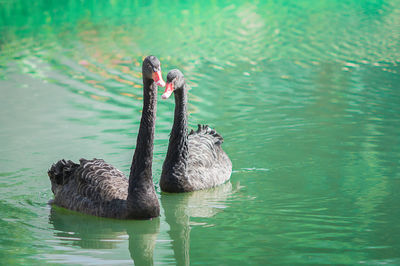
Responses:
[306,95]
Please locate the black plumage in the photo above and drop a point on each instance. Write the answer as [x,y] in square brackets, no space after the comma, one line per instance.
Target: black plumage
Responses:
[97,188]
[194,160]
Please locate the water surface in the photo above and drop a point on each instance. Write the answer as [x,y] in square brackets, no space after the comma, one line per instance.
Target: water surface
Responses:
[306,95]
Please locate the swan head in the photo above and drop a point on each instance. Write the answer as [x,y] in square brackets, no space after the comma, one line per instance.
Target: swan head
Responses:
[175,81]
[151,69]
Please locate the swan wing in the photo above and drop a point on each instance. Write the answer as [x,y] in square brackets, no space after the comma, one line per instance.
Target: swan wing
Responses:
[208,133]
[93,187]
[208,165]
[101,181]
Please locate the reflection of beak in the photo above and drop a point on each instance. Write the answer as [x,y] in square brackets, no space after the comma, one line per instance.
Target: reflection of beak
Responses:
[158,79]
[168,90]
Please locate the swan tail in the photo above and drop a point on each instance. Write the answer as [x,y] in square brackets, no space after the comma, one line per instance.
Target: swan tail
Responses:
[61,172]
[206,130]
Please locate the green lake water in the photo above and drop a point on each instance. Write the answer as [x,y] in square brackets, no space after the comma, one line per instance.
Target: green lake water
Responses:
[305,93]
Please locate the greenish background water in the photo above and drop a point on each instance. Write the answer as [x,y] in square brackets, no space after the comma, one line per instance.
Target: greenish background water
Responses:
[305,93]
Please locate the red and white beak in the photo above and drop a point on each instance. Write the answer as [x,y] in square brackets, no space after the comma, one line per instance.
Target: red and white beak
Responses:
[168,90]
[158,79]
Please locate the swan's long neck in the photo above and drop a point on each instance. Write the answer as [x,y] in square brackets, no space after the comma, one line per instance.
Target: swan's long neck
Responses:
[140,178]
[178,143]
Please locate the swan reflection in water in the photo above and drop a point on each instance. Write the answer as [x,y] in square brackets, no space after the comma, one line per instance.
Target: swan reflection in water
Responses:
[178,208]
[91,232]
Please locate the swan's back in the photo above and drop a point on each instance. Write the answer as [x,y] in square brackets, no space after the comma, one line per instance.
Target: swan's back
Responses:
[208,165]
[92,187]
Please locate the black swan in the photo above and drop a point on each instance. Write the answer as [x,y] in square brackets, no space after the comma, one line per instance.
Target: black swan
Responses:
[196,160]
[97,188]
